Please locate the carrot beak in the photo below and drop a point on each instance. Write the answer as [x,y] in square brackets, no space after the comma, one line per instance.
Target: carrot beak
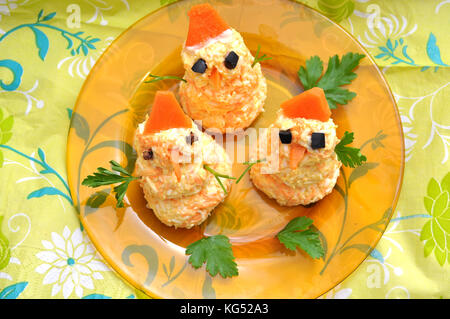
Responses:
[215,77]
[175,157]
[296,155]
[177,170]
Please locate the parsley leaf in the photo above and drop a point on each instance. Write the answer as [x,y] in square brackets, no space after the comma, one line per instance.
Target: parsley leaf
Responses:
[299,232]
[339,72]
[107,177]
[216,252]
[309,75]
[349,156]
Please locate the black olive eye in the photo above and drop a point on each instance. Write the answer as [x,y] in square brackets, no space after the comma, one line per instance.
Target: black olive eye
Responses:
[231,60]
[148,154]
[285,137]
[199,66]
[317,140]
[190,139]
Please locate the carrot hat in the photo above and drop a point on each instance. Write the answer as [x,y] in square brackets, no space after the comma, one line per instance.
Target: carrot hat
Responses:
[311,104]
[166,113]
[204,23]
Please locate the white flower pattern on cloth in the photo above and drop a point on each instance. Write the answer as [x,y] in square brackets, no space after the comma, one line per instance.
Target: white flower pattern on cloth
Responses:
[337,293]
[70,263]
[81,65]
[100,6]
[388,28]
[6,6]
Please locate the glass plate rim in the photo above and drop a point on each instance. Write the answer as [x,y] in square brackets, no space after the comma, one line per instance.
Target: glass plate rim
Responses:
[133,282]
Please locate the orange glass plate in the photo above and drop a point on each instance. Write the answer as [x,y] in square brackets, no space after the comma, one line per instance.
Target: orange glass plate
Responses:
[150,255]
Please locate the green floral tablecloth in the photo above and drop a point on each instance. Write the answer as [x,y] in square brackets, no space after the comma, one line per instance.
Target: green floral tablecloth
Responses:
[46,51]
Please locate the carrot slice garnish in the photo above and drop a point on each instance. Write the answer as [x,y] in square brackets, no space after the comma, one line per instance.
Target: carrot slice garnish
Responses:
[166,113]
[296,155]
[204,23]
[311,104]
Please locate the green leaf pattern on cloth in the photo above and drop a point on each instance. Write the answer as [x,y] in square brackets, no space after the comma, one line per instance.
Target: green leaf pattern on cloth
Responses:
[45,57]
[436,232]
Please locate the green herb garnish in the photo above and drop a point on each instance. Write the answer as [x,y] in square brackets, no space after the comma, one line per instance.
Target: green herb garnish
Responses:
[249,166]
[157,78]
[349,156]
[259,59]
[216,252]
[339,72]
[106,177]
[218,176]
[299,233]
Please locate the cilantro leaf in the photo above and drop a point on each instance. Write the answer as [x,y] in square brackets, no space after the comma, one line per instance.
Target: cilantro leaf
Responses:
[349,156]
[300,233]
[339,72]
[216,252]
[104,176]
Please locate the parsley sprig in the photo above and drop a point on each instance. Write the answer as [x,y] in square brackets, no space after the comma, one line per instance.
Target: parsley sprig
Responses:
[349,156]
[216,252]
[339,72]
[156,78]
[300,233]
[218,175]
[104,176]
[258,58]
